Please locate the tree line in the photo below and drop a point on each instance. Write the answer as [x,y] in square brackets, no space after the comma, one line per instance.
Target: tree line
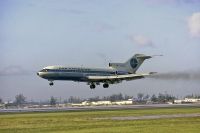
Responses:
[20,99]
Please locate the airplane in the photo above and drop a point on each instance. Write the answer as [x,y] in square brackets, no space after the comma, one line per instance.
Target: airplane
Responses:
[115,73]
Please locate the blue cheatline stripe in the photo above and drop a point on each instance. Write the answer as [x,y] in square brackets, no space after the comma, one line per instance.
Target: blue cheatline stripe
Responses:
[80,71]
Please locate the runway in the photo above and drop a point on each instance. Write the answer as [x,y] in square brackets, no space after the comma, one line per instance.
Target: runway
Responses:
[113,107]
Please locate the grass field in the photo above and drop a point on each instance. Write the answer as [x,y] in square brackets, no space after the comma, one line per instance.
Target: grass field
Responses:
[85,122]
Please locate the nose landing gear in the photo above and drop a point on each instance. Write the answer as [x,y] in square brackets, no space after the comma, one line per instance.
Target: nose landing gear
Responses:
[51,83]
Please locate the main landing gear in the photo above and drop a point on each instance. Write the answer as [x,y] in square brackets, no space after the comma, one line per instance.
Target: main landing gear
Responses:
[105,85]
[51,83]
[92,86]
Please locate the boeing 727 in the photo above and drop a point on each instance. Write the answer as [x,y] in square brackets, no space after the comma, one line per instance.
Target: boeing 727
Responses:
[116,73]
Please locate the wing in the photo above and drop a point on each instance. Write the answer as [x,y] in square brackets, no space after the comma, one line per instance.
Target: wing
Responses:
[117,78]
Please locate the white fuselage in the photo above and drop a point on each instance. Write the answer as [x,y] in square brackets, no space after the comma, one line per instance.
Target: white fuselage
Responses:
[75,73]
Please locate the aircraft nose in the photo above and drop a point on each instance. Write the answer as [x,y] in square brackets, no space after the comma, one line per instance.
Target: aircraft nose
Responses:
[38,73]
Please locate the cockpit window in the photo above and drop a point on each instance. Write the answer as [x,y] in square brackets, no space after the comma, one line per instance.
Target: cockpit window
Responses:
[44,70]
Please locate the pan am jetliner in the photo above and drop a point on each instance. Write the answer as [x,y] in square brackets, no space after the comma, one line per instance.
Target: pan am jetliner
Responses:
[116,73]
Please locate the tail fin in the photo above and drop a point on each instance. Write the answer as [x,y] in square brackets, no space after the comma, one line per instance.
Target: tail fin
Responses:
[135,62]
[132,65]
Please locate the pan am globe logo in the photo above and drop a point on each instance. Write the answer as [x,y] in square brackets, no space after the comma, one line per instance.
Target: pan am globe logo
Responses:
[134,63]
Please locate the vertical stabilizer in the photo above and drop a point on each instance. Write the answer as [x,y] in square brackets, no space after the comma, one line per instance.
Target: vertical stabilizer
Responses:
[132,65]
[135,62]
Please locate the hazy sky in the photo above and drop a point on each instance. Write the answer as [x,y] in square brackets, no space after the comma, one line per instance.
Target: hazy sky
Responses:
[38,33]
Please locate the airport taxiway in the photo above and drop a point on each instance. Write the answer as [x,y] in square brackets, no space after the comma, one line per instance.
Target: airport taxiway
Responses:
[148,117]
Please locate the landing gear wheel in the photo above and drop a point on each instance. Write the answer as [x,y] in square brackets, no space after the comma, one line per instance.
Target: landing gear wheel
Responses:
[92,86]
[51,83]
[105,85]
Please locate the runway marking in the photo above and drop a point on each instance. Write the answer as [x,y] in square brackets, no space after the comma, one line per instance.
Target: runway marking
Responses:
[149,117]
